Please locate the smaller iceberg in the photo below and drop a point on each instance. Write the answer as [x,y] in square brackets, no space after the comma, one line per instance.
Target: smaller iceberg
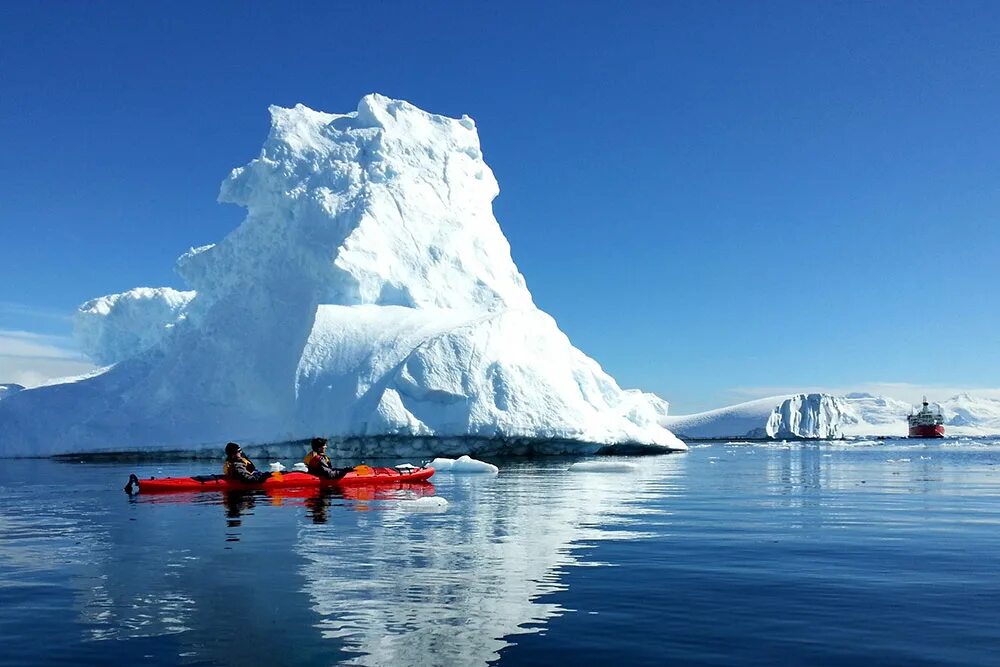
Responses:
[464,464]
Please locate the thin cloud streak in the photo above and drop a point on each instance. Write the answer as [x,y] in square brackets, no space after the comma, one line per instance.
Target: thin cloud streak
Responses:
[26,344]
[15,309]
[32,372]
[32,359]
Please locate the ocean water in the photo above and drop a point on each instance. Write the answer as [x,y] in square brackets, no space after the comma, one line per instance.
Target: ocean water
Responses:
[872,553]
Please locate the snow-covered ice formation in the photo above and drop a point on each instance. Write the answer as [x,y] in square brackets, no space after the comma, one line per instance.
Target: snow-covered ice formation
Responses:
[369,296]
[825,416]
[736,421]
[966,414]
[463,464]
[116,327]
[807,416]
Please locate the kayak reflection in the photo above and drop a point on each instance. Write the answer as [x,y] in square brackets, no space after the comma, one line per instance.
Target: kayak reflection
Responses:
[317,501]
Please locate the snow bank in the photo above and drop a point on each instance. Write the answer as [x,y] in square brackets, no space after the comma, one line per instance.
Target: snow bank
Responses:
[966,414]
[463,464]
[368,296]
[744,420]
[603,466]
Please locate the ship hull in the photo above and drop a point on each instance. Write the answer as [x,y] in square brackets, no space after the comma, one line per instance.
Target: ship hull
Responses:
[927,431]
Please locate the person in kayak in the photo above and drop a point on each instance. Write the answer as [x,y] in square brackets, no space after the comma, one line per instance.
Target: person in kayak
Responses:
[319,463]
[240,468]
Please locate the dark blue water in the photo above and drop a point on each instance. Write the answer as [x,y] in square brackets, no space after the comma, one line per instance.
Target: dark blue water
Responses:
[799,554]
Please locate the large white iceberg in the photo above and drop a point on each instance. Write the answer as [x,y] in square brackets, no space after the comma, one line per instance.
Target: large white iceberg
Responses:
[369,296]
[824,416]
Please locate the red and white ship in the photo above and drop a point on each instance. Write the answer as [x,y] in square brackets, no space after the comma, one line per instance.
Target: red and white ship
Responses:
[926,423]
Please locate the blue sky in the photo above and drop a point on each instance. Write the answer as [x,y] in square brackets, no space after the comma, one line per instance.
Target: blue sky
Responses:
[716,200]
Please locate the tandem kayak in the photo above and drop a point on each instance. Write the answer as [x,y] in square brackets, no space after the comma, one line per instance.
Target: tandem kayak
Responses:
[361,476]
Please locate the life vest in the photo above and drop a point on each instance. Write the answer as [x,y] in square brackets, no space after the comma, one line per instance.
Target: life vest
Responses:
[227,467]
[315,459]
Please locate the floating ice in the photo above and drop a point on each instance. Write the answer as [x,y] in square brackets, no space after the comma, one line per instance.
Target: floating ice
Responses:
[425,504]
[463,464]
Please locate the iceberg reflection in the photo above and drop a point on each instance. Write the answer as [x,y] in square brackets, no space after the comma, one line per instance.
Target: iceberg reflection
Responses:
[452,588]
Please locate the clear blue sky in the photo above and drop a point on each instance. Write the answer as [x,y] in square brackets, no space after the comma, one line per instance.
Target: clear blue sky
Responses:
[706,195]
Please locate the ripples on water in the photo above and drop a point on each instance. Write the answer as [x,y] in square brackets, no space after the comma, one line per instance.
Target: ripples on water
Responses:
[791,553]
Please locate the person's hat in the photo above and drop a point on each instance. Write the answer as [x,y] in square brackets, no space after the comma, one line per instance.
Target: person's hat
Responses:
[232,448]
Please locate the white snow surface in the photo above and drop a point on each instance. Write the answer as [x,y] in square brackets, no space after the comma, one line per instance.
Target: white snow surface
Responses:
[967,414]
[368,293]
[118,326]
[826,416]
[463,464]
[735,421]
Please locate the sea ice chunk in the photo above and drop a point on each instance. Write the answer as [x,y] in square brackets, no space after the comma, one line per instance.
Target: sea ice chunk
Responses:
[463,464]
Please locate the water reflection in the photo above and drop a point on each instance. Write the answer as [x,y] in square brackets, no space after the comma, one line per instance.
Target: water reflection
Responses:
[237,503]
[361,575]
[453,589]
[846,530]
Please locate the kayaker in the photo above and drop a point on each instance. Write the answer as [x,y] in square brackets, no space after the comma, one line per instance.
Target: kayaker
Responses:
[319,463]
[240,468]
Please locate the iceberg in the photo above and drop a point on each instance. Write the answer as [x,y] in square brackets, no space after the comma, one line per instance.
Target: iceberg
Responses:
[463,464]
[369,296]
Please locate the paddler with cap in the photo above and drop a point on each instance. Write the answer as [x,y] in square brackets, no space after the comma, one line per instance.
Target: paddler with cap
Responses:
[239,468]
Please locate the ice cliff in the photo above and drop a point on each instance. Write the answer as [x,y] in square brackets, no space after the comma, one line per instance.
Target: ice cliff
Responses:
[369,295]
[824,416]
[807,416]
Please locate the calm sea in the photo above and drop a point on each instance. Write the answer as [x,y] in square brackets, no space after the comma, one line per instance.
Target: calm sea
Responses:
[881,553]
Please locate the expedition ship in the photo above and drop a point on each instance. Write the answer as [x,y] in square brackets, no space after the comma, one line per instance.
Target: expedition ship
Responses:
[925,423]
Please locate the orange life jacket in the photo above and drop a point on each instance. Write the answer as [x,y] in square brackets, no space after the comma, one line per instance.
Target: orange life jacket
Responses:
[315,459]
[227,467]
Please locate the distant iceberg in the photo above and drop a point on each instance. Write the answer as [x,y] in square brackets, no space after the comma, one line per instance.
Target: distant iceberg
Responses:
[369,296]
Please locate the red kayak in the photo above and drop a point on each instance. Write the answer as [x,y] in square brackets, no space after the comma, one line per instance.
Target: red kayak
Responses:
[360,476]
